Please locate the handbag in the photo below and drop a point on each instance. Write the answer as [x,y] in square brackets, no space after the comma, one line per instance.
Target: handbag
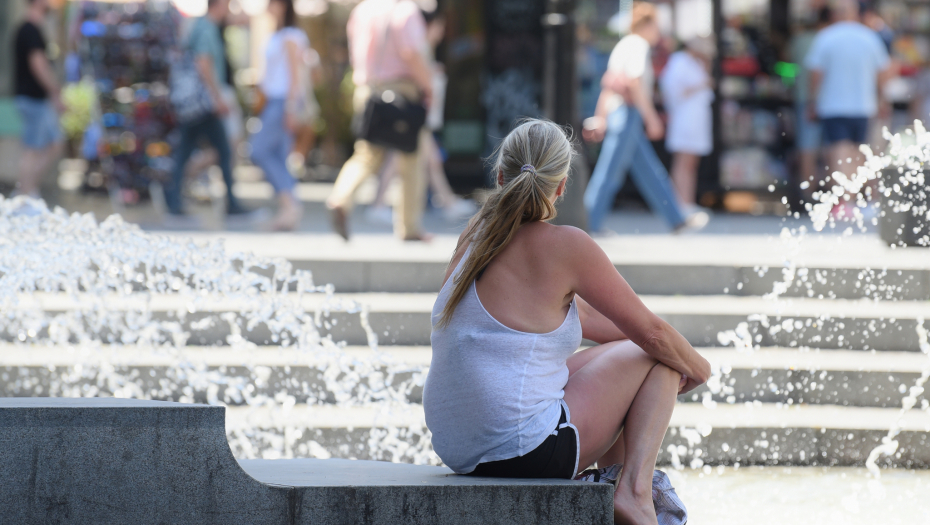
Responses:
[188,94]
[389,119]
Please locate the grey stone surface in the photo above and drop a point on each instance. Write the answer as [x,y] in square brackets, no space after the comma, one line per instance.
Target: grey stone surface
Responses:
[122,461]
[699,324]
[648,279]
[342,491]
[306,384]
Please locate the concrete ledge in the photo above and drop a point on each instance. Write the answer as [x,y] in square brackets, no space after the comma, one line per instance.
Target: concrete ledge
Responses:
[344,491]
[115,461]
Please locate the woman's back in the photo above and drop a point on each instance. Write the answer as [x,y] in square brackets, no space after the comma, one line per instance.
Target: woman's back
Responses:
[524,287]
[499,365]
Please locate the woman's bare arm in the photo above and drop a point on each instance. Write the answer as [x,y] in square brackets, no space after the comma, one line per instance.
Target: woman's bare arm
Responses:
[594,326]
[594,278]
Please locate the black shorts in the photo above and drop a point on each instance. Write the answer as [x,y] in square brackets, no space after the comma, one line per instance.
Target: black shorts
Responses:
[838,129]
[556,457]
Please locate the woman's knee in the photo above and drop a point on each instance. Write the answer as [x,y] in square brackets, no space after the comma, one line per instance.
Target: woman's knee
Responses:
[627,353]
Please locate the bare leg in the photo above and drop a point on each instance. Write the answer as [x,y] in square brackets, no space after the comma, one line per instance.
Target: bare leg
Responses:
[386,175]
[684,176]
[807,162]
[646,424]
[615,455]
[29,175]
[844,157]
[33,165]
[618,386]
[437,175]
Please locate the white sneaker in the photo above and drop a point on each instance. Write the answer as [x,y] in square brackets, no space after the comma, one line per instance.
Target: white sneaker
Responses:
[694,222]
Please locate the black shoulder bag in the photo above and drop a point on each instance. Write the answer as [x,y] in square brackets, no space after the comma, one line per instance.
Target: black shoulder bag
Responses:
[390,120]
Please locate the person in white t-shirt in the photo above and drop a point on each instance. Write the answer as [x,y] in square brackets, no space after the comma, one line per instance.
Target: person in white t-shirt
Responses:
[626,120]
[687,94]
[281,85]
[848,65]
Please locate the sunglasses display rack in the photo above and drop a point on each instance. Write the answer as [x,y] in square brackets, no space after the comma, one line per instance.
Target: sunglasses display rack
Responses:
[125,48]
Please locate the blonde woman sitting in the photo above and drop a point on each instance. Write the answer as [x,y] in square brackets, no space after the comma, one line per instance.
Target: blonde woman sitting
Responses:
[508,394]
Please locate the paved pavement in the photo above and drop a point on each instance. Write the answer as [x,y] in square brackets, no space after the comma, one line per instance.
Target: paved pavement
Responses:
[257,194]
[779,495]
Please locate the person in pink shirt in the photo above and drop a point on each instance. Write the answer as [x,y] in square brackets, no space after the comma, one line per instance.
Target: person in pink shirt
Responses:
[386,57]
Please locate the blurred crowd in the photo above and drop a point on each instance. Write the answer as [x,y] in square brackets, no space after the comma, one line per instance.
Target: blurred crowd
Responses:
[162,104]
[188,91]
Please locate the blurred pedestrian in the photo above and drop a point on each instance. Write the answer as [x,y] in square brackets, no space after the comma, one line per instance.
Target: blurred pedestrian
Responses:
[920,102]
[687,93]
[875,22]
[233,121]
[38,100]
[282,86]
[626,120]
[453,207]
[848,66]
[386,43]
[205,41]
[807,135]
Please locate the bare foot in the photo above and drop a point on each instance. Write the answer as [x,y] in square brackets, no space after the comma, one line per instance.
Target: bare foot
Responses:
[630,509]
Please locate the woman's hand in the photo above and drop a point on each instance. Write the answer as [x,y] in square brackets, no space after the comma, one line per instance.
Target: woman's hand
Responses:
[594,129]
[702,374]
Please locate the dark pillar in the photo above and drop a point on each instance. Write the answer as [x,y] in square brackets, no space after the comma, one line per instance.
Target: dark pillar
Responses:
[560,99]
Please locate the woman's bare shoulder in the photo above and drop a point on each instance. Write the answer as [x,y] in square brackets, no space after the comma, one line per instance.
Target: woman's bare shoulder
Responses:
[554,238]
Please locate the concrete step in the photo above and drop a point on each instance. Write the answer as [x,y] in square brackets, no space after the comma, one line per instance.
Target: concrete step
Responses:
[850,268]
[744,434]
[404,319]
[211,374]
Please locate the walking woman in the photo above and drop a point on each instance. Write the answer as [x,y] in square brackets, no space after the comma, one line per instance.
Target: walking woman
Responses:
[687,91]
[508,394]
[281,85]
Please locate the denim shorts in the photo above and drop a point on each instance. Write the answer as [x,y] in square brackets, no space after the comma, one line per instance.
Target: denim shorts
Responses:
[39,121]
[838,129]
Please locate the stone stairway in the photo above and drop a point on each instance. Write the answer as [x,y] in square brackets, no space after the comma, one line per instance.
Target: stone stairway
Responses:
[836,352]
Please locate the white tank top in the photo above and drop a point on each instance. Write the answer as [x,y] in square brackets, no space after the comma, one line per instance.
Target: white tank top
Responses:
[492,392]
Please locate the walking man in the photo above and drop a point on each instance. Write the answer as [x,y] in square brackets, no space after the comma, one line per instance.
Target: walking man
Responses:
[848,66]
[626,121]
[38,100]
[206,43]
[387,40]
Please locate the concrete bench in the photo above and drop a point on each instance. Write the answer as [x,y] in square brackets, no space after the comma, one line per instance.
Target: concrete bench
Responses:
[105,460]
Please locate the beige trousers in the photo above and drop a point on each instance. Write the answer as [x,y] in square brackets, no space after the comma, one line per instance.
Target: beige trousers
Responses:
[367,160]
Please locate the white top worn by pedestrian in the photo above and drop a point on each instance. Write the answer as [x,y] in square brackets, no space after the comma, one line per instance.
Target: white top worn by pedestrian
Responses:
[632,56]
[687,96]
[850,56]
[277,80]
[513,382]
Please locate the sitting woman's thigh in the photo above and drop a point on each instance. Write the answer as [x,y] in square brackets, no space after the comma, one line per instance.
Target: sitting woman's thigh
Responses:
[600,393]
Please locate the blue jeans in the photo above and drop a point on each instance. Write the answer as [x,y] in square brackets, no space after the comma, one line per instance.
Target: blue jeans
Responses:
[39,121]
[211,128]
[626,148]
[271,146]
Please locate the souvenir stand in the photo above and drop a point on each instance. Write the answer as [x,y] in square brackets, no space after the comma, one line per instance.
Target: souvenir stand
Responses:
[125,48]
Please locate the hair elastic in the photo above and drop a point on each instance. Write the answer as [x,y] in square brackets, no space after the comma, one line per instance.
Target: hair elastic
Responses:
[529,168]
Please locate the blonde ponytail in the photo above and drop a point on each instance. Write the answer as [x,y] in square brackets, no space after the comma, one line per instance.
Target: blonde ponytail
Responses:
[534,158]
